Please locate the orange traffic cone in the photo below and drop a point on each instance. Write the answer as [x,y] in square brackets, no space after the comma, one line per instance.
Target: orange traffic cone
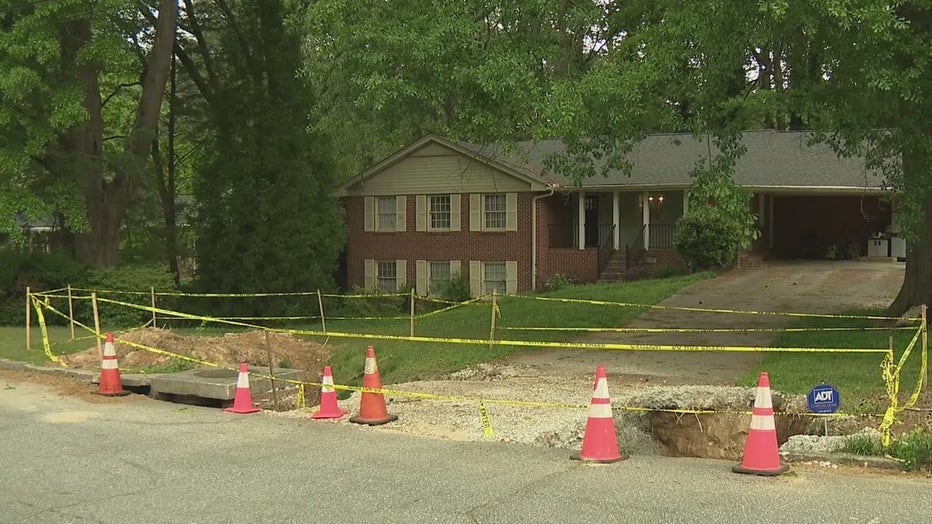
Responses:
[328,398]
[372,405]
[242,402]
[600,443]
[761,454]
[110,383]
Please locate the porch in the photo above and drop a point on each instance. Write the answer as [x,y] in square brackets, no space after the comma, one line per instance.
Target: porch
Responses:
[593,235]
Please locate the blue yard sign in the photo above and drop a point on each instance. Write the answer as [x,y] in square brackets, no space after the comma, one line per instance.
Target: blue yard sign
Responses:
[823,399]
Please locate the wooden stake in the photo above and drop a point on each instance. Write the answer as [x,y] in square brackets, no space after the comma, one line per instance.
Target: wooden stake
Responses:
[100,347]
[152,293]
[320,305]
[28,319]
[924,313]
[411,330]
[492,328]
[268,350]
[70,312]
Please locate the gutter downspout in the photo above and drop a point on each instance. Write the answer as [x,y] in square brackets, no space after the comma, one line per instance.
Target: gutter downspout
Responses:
[535,237]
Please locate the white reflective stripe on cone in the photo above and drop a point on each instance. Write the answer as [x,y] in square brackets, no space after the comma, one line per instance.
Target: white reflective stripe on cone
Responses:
[600,410]
[324,388]
[326,385]
[109,363]
[763,398]
[601,389]
[109,351]
[762,423]
[371,368]
[243,381]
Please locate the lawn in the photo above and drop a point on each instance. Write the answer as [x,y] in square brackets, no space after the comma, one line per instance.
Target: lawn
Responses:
[402,361]
[856,376]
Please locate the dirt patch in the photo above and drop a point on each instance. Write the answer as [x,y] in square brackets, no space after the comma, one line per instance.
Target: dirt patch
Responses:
[227,350]
[69,386]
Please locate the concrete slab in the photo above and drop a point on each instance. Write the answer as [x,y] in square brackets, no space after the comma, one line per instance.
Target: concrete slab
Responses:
[218,384]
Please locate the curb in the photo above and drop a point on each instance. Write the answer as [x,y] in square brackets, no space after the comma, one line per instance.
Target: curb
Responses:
[843,459]
[129,380]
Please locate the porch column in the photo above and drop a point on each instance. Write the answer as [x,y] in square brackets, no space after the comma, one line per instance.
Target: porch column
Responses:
[581,220]
[770,220]
[616,215]
[645,218]
[685,201]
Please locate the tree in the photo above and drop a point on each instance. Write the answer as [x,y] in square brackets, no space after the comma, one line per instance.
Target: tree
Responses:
[266,218]
[60,56]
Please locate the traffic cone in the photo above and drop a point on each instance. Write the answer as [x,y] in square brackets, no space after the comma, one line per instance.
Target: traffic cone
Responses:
[328,398]
[372,405]
[600,443]
[242,402]
[761,454]
[110,383]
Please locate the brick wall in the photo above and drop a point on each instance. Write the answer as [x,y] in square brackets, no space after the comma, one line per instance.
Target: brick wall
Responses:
[581,265]
[411,245]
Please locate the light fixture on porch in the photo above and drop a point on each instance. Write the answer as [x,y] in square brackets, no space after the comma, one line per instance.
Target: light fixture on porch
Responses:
[652,200]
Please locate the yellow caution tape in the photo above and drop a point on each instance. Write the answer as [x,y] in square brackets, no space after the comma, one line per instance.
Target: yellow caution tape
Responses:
[701,330]
[891,376]
[486,422]
[46,346]
[706,310]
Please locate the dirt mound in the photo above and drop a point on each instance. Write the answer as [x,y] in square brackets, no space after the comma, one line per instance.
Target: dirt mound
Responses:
[227,350]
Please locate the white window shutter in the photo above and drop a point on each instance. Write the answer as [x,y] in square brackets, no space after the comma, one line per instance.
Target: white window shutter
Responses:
[420,277]
[475,212]
[511,211]
[401,213]
[369,275]
[401,274]
[455,268]
[455,212]
[475,278]
[511,277]
[421,212]
[369,214]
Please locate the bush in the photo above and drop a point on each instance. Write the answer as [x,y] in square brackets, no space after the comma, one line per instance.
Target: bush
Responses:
[707,240]
[558,282]
[136,279]
[457,289]
[914,450]
[39,272]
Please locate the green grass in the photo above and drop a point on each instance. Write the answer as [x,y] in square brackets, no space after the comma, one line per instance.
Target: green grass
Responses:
[857,377]
[13,343]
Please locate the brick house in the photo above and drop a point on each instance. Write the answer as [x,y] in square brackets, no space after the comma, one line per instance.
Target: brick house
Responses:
[506,222]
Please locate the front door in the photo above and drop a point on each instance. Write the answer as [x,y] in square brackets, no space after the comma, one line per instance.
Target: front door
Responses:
[592,221]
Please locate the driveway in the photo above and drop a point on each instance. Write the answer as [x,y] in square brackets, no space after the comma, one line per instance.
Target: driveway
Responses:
[799,286]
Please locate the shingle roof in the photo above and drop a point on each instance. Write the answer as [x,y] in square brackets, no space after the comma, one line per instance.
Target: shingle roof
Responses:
[773,159]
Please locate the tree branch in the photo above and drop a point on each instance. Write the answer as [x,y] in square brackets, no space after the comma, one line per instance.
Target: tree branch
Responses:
[116,90]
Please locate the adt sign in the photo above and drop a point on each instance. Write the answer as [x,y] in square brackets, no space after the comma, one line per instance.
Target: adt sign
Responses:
[823,399]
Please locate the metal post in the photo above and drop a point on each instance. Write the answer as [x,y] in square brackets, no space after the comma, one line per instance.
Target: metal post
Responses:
[268,351]
[100,348]
[28,319]
[70,312]
[411,330]
[152,293]
[924,313]
[320,305]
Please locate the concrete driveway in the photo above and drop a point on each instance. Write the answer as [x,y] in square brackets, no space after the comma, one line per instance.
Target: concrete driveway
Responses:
[798,286]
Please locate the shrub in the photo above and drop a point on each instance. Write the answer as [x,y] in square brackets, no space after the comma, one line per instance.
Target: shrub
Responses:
[134,279]
[457,289]
[39,272]
[707,240]
[558,282]
[914,450]
[861,444]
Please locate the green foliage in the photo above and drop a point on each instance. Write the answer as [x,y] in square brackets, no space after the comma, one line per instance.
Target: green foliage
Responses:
[707,240]
[457,289]
[267,219]
[914,450]
[557,282]
[860,444]
[37,271]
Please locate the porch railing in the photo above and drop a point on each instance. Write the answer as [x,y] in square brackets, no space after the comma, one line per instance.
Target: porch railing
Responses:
[606,246]
[635,250]
[662,236]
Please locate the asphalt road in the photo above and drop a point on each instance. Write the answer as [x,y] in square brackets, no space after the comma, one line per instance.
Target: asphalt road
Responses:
[136,460]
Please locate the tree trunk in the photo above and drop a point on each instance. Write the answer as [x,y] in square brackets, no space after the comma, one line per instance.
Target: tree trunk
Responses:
[917,281]
[108,201]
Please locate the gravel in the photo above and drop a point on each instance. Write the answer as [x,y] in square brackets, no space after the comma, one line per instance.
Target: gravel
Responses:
[807,444]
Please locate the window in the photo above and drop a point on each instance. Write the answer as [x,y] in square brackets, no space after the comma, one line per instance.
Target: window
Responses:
[385,220]
[440,211]
[387,278]
[439,277]
[494,277]
[495,211]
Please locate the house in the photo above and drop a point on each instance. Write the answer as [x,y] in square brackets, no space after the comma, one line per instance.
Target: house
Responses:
[506,222]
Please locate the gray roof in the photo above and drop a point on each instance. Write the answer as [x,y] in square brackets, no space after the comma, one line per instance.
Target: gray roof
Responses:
[774,159]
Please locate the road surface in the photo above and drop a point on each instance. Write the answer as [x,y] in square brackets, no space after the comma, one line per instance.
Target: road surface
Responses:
[131,459]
